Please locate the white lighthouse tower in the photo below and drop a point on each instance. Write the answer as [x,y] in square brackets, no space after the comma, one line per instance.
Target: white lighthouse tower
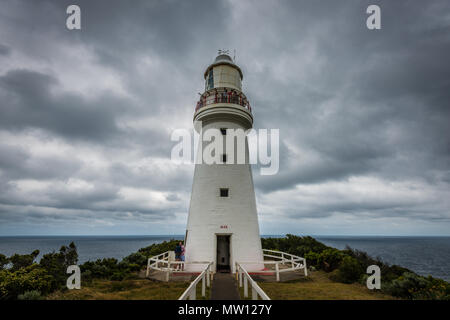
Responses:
[222,225]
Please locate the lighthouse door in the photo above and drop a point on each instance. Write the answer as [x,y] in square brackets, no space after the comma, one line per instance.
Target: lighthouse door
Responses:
[223,253]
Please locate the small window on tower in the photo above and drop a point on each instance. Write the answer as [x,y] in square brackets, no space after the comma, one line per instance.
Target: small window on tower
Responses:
[224,192]
[223,131]
[210,81]
[224,158]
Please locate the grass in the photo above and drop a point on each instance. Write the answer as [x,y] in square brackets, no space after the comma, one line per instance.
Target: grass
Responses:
[133,289]
[137,289]
[319,287]
[199,292]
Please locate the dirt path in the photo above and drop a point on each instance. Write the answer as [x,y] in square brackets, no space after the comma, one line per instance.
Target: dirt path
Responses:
[224,287]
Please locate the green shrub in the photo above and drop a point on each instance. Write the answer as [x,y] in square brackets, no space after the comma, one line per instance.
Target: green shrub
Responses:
[86,276]
[3,261]
[133,267]
[350,270]
[136,258]
[19,261]
[30,295]
[158,248]
[14,283]
[312,259]
[413,286]
[390,273]
[101,268]
[292,244]
[118,276]
[328,260]
[56,263]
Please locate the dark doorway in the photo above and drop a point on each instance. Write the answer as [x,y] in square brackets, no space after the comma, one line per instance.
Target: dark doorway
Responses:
[223,254]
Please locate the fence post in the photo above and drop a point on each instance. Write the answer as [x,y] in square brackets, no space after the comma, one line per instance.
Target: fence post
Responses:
[245,286]
[208,279]
[203,286]
[254,294]
[277,271]
[306,268]
[167,275]
[148,268]
[240,277]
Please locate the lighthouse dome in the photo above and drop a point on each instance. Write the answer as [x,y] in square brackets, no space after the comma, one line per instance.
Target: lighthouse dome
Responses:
[223,58]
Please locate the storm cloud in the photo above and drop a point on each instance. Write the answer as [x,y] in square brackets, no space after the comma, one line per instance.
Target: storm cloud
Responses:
[86,115]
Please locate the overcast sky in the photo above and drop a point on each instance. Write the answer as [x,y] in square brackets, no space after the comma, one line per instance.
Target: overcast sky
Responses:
[86,116]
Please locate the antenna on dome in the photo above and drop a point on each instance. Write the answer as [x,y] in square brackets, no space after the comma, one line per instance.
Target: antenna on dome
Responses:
[234,56]
[223,51]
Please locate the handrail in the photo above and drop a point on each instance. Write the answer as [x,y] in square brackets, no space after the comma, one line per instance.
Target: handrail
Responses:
[191,291]
[221,96]
[296,262]
[160,258]
[162,263]
[244,278]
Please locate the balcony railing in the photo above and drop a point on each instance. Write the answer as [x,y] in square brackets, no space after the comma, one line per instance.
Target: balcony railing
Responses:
[223,96]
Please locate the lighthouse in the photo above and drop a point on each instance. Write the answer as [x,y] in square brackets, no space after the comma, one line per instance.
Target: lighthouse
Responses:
[222,225]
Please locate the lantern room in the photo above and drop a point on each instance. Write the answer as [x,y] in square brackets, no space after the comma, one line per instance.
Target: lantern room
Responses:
[223,73]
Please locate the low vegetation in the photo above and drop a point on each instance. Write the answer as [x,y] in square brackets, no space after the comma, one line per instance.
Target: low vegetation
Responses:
[318,286]
[22,277]
[131,289]
[349,267]
[337,274]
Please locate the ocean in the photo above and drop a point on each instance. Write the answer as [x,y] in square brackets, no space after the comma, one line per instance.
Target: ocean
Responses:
[424,255]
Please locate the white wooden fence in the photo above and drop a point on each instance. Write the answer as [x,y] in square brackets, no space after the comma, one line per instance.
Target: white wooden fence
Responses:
[165,262]
[244,279]
[283,258]
[206,277]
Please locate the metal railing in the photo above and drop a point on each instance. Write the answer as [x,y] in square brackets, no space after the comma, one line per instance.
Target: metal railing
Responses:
[222,96]
[244,279]
[206,278]
[285,259]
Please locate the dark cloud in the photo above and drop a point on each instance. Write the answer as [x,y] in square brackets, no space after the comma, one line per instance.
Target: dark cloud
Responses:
[4,50]
[29,102]
[17,163]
